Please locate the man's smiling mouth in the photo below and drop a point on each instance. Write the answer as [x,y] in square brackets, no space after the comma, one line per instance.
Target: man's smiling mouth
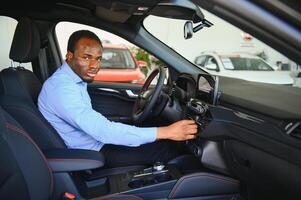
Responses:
[91,74]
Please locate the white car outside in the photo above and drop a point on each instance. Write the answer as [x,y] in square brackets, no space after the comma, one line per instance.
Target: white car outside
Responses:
[242,66]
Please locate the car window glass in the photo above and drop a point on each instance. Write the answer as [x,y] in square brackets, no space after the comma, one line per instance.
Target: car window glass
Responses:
[211,61]
[252,64]
[8,26]
[239,54]
[117,59]
[121,62]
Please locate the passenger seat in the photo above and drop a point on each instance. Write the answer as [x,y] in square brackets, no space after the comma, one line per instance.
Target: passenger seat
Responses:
[25,173]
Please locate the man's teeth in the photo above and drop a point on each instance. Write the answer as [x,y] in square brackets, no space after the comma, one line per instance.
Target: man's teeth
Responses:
[91,74]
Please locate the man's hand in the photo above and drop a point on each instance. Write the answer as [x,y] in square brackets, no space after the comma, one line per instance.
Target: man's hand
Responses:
[178,131]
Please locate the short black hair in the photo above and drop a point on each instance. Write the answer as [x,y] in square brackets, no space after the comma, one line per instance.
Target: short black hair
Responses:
[77,35]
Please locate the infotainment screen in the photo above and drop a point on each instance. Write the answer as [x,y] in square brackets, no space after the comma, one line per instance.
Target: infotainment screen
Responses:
[208,88]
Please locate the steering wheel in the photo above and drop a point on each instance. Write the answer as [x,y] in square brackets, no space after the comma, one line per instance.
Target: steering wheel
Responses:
[147,98]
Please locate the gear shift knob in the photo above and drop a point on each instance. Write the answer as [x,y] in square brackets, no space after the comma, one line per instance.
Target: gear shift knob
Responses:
[158,166]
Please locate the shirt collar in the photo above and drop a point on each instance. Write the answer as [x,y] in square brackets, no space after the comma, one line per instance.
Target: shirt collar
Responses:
[65,67]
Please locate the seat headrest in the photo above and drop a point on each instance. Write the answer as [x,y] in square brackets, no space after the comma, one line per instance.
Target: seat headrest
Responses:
[26,42]
[20,82]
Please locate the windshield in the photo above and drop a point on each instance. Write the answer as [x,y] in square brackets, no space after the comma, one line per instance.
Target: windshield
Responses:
[252,64]
[205,47]
[117,59]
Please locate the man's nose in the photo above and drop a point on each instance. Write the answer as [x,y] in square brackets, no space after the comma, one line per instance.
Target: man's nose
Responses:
[94,64]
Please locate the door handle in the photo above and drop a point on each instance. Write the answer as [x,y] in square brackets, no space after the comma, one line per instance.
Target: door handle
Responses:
[131,94]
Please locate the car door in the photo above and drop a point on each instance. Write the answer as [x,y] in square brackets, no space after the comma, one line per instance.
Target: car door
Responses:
[114,100]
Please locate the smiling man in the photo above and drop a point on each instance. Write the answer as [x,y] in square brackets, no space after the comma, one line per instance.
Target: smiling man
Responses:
[65,103]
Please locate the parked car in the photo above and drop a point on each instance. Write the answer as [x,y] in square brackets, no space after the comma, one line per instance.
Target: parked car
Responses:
[242,66]
[119,65]
[296,74]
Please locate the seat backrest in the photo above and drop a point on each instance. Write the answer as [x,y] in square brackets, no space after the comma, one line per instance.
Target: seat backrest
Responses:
[21,83]
[24,172]
[20,88]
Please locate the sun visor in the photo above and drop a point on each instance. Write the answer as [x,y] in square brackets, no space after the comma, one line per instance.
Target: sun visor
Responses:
[119,11]
[178,9]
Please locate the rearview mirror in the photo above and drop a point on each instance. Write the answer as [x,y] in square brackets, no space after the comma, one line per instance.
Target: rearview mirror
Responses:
[189,29]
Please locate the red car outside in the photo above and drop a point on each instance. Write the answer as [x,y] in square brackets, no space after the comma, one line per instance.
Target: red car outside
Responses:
[119,65]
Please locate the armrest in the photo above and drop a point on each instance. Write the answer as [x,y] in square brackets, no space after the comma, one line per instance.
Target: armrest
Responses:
[68,160]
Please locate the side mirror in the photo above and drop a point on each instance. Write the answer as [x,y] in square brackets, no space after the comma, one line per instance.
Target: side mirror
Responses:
[141,64]
[212,67]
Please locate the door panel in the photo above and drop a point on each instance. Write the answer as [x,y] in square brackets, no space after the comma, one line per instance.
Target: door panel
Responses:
[114,100]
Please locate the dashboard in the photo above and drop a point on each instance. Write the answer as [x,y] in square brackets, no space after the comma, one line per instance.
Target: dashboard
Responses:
[219,124]
[242,135]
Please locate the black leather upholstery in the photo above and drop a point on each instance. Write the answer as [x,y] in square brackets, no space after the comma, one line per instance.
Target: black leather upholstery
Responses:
[24,172]
[28,115]
[21,83]
[204,184]
[119,197]
[20,88]
[26,42]
[67,160]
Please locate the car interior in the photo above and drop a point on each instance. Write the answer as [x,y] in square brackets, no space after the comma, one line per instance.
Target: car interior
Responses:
[246,148]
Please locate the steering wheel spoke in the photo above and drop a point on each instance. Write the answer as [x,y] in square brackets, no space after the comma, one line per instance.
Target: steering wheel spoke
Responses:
[147,98]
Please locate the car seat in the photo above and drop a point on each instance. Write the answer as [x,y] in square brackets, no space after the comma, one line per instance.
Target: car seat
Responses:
[19,89]
[25,173]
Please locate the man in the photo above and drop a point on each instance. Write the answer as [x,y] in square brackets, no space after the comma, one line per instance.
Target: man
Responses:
[65,103]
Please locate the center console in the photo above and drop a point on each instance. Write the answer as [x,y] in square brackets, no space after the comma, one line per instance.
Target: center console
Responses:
[149,177]
[167,182]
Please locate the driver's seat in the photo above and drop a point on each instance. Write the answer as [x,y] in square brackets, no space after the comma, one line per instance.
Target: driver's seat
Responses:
[20,88]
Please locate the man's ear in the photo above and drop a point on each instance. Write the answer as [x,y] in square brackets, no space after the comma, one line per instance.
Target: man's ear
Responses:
[69,55]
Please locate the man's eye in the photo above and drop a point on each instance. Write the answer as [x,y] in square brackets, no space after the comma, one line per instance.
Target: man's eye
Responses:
[99,59]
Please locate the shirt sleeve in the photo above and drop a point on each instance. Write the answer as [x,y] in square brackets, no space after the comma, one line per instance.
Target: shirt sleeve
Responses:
[68,105]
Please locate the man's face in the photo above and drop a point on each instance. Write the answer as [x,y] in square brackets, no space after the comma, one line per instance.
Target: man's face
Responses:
[86,59]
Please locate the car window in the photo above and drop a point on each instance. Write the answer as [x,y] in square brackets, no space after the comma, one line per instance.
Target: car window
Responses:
[252,64]
[113,58]
[122,61]
[250,59]
[211,61]
[8,26]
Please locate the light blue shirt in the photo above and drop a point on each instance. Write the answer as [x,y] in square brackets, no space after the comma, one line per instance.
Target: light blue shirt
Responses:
[66,104]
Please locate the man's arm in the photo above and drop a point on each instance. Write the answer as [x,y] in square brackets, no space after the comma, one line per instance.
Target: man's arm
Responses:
[67,103]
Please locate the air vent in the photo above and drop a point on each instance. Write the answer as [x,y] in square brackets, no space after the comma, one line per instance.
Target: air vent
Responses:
[294,129]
